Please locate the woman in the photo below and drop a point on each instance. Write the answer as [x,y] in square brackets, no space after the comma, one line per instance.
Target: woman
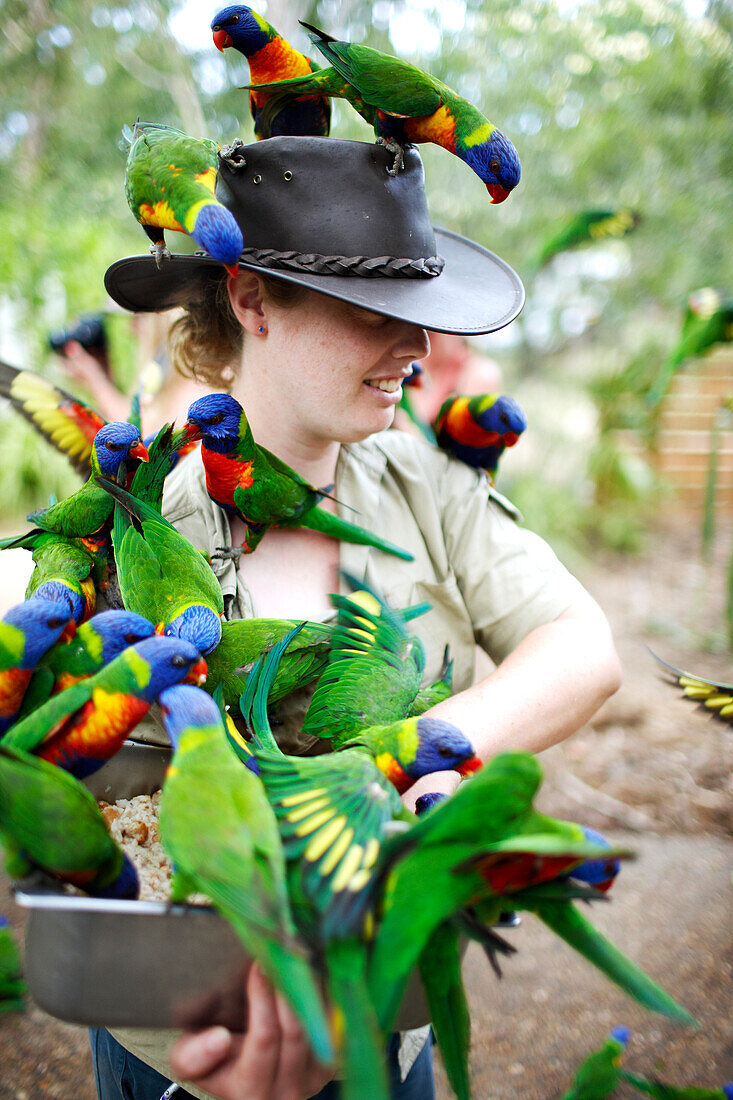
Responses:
[317,361]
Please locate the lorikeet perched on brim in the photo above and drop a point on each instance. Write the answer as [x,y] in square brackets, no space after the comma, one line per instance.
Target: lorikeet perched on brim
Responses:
[217,827]
[586,227]
[248,480]
[477,430]
[83,726]
[48,820]
[271,57]
[27,631]
[169,183]
[405,104]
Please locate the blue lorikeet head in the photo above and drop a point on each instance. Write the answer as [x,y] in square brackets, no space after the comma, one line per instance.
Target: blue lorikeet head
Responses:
[216,230]
[185,707]
[126,886]
[42,622]
[728,1090]
[216,419]
[238,26]
[596,872]
[620,1034]
[441,747]
[426,801]
[117,630]
[505,416]
[70,602]
[199,625]
[115,443]
[496,162]
[171,660]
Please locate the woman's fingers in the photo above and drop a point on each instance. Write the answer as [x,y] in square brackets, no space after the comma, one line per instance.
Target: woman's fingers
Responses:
[196,1055]
[299,1074]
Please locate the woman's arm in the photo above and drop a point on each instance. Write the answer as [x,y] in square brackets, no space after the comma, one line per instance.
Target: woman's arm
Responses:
[551,683]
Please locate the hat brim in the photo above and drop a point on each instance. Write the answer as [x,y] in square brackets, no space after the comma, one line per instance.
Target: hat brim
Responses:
[475,293]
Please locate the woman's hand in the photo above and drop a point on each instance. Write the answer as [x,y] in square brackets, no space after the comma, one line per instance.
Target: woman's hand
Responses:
[271,1061]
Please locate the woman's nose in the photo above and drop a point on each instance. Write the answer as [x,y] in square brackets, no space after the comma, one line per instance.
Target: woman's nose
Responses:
[413,343]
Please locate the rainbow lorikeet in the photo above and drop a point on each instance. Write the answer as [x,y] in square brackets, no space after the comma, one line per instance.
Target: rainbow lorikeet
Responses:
[599,1075]
[88,509]
[715,695]
[95,644]
[271,57]
[708,321]
[85,724]
[248,480]
[12,986]
[169,184]
[405,104]
[217,827]
[64,571]
[477,430]
[49,821]
[333,812]
[27,631]
[461,847]
[68,423]
[660,1090]
[372,676]
[588,226]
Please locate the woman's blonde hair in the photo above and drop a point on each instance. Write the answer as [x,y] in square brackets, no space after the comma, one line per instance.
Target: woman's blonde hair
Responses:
[206,342]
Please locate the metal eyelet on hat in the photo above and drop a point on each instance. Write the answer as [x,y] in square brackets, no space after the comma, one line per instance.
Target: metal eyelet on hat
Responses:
[287,175]
[257,178]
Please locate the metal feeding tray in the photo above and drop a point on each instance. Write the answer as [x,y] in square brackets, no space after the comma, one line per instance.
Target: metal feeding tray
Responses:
[109,963]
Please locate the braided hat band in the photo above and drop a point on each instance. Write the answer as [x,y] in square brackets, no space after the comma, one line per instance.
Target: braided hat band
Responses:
[365,266]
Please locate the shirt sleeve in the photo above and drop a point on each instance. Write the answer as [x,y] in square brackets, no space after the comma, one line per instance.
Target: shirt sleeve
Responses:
[511,580]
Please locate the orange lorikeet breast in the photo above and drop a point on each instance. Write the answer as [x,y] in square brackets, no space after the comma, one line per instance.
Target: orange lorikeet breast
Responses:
[13,682]
[440,128]
[94,733]
[224,474]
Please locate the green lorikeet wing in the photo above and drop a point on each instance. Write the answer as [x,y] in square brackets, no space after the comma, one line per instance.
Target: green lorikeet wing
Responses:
[65,421]
[373,671]
[437,692]
[169,183]
[599,1074]
[161,575]
[588,226]
[440,971]
[217,827]
[12,986]
[50,821]
[242,642]
[713,694]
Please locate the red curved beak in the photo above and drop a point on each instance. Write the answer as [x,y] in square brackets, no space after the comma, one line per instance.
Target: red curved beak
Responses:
[193,431]
[497,192]
[233,269]
[139,451]
[468,767]
[221,39]
[510,438]
[197,673]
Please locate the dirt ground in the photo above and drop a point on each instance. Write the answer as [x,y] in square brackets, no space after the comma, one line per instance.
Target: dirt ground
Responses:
[653,771]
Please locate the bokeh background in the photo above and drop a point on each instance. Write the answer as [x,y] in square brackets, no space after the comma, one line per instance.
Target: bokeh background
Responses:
[611,103]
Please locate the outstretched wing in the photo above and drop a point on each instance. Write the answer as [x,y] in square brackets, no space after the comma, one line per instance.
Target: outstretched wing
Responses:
[69,424]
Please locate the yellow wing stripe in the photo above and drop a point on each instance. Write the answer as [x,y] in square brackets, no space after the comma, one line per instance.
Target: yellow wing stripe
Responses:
[349,867]
[309,808]
[340,844]
[303,796]
[324,839]
[312,823]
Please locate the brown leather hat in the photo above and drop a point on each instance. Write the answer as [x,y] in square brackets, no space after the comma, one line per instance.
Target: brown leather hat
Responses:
[326,213]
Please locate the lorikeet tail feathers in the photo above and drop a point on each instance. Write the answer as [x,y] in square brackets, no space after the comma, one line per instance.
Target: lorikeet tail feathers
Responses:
[253,703]
[318,520]
[440,969]
[358,1034]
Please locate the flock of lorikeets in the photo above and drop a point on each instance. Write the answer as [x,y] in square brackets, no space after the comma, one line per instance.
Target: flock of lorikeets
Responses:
[314,860]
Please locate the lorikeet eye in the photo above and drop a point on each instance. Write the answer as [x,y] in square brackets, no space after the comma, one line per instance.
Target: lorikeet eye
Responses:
[494,164]
[113,447]
[444,752]
[179,661]
[131,638]
[234,19]
[216,419]
[504,418]
[53,623]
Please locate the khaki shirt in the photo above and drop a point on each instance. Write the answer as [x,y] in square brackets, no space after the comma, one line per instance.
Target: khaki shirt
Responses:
[490,581]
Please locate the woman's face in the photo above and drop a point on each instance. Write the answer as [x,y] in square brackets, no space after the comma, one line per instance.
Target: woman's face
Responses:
[336,368]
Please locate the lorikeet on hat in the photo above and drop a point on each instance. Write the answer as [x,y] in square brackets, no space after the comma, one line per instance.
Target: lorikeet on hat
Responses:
[410,105]
[271,57]
[170,183]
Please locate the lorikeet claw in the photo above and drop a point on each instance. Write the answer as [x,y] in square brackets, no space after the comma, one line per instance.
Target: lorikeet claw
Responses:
[229,553]
[233,155]
[161,253]
[399,154]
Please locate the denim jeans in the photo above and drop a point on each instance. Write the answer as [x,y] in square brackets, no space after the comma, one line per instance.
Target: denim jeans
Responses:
[119,1075]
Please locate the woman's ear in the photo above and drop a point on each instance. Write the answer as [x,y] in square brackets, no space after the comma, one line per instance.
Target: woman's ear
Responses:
[247,300]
